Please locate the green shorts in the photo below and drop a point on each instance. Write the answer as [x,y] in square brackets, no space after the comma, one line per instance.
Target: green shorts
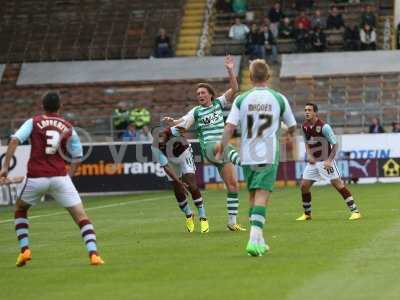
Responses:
[260,177]
[208,154]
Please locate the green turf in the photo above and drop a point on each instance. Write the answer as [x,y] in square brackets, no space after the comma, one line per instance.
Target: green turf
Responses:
[149,255]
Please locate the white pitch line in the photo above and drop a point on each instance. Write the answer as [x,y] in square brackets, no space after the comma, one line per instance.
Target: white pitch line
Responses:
[90,208]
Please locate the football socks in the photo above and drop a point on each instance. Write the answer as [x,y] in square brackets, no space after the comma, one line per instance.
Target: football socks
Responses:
[88,236]
[232,203]
[22,229]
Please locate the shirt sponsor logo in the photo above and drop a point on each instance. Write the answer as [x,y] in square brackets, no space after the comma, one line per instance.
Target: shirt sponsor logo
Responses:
[211,119]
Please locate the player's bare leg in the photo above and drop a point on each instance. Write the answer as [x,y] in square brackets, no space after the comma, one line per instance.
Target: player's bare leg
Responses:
[190,180]
[251,203]
[180,195]
[305,187]
[87,231]
[228,174]
[347,197]
[22,231]
[256,245]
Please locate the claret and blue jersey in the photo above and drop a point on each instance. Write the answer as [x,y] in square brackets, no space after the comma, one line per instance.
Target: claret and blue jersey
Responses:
[50,134]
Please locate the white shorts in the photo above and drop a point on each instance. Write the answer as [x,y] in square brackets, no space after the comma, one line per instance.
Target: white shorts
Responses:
[184,164]
[317,172]
[60,188]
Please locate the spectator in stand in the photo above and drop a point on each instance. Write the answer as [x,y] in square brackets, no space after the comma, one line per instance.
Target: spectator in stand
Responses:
[146,134]
[286,29]
[396,127]
[120,118]
[224,6]
[376,127]
[254,43]
[270,51]
[318,40]
[303,20]
[398,36]
[238,30]
[351,38]
[368,38]
[266,21]
[239,6]
[303,4]
[335,19]
[275,15]
[132,134]
[139,117]
[302,39]
[368,17]
[162,45]
[318,20]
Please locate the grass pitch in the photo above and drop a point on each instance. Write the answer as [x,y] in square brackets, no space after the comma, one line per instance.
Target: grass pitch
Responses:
[149,255]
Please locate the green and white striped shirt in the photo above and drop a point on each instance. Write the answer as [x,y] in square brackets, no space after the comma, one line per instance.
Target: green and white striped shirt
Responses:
[208,121]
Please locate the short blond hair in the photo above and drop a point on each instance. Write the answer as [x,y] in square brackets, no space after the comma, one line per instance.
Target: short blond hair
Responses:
[259,70]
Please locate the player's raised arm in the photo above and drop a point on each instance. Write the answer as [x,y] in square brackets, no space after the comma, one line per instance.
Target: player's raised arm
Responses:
[288,117]
[22,135]
[229,63]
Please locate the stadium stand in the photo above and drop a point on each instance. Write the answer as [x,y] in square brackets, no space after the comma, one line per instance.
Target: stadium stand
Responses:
[192,23]
[350,87]
[47,30]
[351,13]
[2,67]
[90,98]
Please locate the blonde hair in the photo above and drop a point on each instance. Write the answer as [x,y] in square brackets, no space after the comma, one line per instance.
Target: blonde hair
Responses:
[259,70]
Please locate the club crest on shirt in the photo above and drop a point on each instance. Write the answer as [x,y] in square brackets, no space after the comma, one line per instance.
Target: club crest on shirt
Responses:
[318,129]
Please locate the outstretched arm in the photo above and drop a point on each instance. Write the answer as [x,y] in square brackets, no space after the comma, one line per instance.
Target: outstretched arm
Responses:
[12,146]
[171,122]
[229,63]
[22,134]
[185,122]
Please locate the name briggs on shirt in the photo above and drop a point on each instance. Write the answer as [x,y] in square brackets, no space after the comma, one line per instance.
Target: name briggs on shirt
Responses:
[259,107]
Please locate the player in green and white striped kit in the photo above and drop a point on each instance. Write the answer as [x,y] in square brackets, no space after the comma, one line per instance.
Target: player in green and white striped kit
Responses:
[259,112]
[209,123]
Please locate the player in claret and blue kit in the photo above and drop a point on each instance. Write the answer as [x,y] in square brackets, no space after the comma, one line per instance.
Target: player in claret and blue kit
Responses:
[52,140]
[174,153]
[321,147]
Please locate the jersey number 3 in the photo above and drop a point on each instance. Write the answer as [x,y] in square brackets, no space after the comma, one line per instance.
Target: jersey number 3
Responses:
[263,125]
[53,141]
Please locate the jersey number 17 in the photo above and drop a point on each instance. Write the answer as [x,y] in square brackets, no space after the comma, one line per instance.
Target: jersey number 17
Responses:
[265,123]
